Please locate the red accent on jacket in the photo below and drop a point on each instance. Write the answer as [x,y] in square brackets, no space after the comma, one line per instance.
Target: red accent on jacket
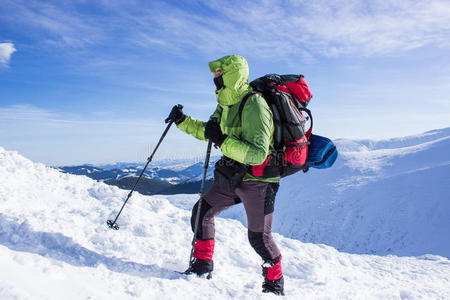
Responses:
[259,169]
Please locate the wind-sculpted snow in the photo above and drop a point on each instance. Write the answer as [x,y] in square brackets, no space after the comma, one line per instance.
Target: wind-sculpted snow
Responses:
[20,237]
[54,244]
[381,199]
[395,143]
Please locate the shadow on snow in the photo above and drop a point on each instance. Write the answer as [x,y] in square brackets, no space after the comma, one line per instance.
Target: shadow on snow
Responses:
[20,237]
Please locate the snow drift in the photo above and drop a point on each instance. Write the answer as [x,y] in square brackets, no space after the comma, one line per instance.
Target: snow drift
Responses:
[54,244]
[380,197]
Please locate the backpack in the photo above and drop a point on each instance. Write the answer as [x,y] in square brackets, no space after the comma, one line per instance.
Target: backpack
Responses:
[295,148]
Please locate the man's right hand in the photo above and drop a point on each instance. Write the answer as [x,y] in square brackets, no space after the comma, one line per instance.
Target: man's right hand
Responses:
[176,115]
[214,133]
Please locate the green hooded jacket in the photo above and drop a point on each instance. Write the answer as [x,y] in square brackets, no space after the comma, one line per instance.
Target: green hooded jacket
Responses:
[249,137]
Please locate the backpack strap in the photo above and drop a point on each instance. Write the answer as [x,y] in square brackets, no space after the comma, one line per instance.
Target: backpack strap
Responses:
[269,168]
[243,101]
[308,112]
[220,111]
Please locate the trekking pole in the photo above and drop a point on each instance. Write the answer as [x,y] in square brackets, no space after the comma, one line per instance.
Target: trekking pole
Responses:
[112,224]
[202,187]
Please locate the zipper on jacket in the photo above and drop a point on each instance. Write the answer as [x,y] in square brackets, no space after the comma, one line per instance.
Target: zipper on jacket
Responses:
[220,94]
[218,100]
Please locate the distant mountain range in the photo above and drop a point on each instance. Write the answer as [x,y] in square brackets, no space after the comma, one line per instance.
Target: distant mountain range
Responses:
[164,177]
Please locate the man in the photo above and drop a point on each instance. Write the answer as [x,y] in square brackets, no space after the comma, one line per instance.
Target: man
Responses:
[246,137]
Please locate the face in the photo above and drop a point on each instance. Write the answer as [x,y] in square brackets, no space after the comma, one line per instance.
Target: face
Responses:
[218,73]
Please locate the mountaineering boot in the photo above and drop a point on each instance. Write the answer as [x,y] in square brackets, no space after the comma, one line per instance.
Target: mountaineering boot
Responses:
[274,286]
[202,262]
[273,277]
[200,267]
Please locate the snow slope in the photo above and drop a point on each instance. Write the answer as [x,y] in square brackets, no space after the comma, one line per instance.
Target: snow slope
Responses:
[380,197]
[54,244]
[385,197]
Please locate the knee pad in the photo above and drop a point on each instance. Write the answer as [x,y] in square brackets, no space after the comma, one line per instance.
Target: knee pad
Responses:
[203,209]
[269,201]
[256,240]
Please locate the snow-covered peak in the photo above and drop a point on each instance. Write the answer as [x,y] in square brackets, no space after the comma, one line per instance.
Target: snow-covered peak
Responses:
[388,198]
[394,143]
[423,153]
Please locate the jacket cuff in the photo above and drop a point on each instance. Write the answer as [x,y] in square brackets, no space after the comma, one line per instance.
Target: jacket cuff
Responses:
[224,141]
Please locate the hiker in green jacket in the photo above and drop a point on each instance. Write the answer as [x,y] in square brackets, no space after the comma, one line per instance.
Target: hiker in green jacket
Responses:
[245,137]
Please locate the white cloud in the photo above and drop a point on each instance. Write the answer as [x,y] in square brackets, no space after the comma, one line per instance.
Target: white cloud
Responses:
[21,113]
[377,27]
[24,112]
[285,29]
[299,28]
[64,25]
[63,138]
[6,50]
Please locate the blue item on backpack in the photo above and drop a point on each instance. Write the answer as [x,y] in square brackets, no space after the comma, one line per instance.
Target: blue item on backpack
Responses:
[322,152]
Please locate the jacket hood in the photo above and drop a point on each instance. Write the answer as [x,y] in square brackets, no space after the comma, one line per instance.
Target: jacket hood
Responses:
[235,79]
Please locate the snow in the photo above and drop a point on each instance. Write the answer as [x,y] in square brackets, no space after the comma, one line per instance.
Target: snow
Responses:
[54,244]
[380,197]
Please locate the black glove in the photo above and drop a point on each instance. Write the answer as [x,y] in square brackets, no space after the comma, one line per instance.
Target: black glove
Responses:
[176,115]
[214,133]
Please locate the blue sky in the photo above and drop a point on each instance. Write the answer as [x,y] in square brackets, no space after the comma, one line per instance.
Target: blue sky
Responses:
[92,81]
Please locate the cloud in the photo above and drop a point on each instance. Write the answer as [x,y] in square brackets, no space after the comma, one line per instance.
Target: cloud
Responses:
[276,29]
[305,28]
[6,50]
[22,113]
[60,138]
[60,24]
[376,27]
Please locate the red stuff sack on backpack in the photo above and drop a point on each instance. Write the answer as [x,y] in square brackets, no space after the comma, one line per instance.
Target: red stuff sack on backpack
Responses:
[287,97]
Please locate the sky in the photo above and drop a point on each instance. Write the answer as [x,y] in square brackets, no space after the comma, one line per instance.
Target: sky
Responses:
[92,81]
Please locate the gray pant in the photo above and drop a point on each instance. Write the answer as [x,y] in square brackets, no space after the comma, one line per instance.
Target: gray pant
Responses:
[258,199]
